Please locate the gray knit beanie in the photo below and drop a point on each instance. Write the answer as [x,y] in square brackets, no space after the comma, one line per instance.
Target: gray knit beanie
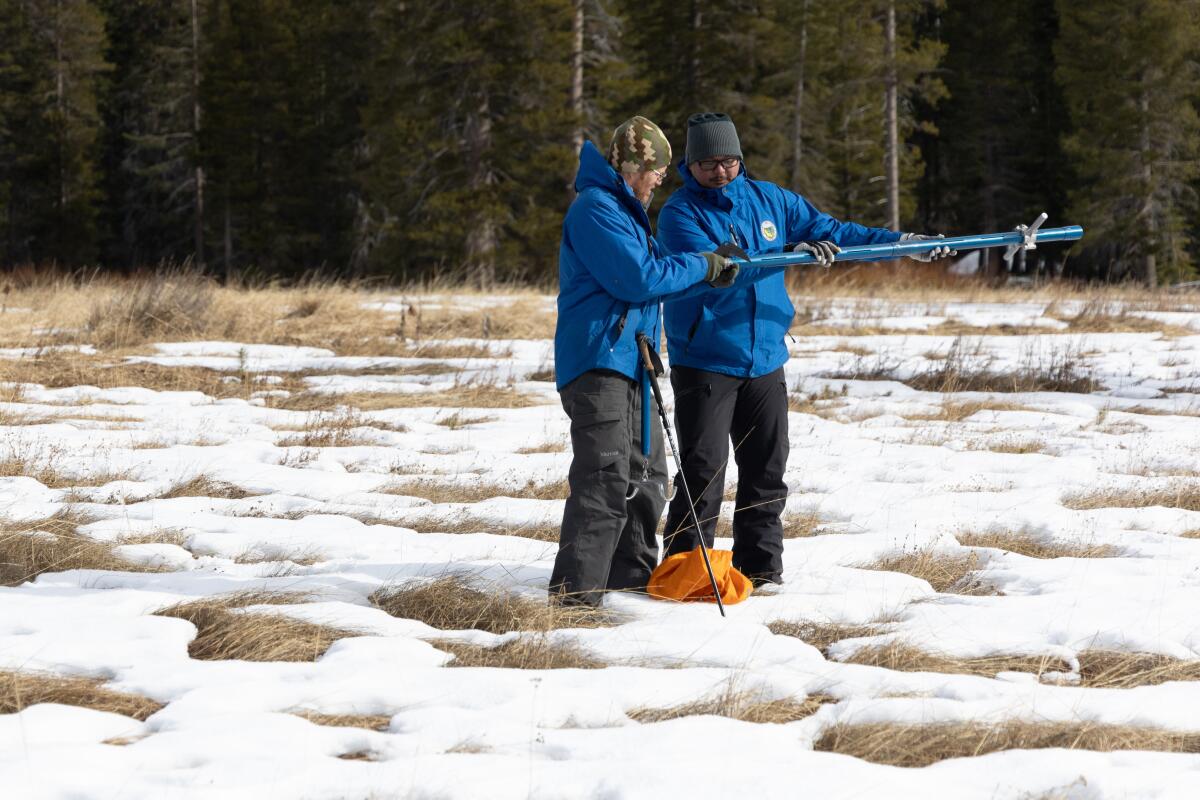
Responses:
[711,134]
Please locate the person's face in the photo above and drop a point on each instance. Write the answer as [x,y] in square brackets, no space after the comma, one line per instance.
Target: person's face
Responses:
[715,172]
[644,183]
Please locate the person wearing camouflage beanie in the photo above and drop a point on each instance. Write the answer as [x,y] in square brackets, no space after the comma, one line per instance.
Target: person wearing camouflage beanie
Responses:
[640,153]
[611,277]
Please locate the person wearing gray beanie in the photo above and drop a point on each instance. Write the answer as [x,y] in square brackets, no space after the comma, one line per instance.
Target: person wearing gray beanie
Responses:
[727,350]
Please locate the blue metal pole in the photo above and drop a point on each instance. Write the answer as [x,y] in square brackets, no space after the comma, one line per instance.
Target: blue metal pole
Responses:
[886,252]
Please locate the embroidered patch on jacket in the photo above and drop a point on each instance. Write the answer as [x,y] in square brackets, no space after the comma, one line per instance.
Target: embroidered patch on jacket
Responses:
[768,230]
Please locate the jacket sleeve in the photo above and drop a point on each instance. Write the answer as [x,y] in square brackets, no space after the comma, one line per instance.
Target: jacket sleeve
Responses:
[679,232]
[805,223]
[608,246]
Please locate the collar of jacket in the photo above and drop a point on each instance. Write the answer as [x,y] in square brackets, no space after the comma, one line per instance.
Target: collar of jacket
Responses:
[595,171]
[723,198]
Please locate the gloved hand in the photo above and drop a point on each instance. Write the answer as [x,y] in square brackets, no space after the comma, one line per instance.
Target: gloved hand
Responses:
[721,270]
[823,251]
[931,255]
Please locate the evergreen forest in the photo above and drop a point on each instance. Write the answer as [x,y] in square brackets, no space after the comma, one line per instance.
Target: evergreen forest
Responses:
[437,139]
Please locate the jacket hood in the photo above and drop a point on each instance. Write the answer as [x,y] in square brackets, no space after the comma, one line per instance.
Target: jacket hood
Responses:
[595,171]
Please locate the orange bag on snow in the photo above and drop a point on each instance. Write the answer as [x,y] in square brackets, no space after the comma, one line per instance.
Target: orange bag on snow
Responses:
[683,577]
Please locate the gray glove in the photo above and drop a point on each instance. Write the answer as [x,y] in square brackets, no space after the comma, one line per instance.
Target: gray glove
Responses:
[721,270]
[823,251]
[931,255]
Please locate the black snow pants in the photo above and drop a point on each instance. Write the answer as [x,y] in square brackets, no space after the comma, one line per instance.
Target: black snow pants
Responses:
[607,537]
[710,409]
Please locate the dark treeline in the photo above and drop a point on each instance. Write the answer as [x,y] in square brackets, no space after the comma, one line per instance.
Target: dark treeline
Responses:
[437,138]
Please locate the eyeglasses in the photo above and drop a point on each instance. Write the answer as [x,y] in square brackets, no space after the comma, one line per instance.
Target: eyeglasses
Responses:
[659,173]
[710,164]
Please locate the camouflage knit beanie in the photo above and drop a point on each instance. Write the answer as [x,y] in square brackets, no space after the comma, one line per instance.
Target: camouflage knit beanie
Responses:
[638,145]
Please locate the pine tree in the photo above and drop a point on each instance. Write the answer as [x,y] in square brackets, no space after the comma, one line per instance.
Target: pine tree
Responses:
[152,154]
[51,83]
[1135,132]
[999,161]
[281,88]
[468,139]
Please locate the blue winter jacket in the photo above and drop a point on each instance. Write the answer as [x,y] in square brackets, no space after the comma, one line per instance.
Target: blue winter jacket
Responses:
[741,331]
[611,275]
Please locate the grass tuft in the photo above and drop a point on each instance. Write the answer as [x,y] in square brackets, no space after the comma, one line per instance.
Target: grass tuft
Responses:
[924,744]
[224,632]
[1179,494]
[945,571]
[30,549]
[1026,543]
[740,705]
[19,690]
[529,652]
[451,603]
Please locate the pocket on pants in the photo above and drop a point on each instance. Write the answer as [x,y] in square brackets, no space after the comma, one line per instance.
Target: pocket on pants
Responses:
[598,439]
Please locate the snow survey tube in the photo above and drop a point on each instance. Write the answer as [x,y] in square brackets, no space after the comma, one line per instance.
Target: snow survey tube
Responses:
[891,250]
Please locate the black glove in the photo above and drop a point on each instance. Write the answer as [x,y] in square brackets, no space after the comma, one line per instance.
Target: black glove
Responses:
[722,271]
[823,251]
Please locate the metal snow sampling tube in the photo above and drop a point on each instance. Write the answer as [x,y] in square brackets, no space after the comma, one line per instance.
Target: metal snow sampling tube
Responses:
[885,252]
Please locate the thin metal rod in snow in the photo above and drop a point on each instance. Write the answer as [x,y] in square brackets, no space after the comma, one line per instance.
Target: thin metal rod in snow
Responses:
[887,252]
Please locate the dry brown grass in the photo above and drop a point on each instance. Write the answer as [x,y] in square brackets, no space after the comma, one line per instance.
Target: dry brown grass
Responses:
[30,549]
[959,410]
[521,319]
[453,603]
[745,706]
[372,722]
[822,634]
[223,632]
[1179,494]
[544,447]
[907,658]
[44,464]
[1013,445]
[1102,316]
[527,652]
[333,429]
[465,523]
[945,571]
[924,744]
[1027,543]
[1113,669]
[205,486]
[438,492]
[473,396]
[802,524]
[459,420]
[20,690]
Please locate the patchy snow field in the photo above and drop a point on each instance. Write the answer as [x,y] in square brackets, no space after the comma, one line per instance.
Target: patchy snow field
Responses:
[963,563]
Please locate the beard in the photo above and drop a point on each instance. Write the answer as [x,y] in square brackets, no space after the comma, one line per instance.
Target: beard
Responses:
[649,199]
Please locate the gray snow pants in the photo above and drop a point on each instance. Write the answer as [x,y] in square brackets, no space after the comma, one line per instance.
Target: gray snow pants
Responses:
[607,537]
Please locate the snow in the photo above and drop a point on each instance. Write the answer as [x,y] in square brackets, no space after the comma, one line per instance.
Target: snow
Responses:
[882,480]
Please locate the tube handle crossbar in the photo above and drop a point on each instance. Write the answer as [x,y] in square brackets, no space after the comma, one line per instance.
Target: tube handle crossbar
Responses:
[886,252]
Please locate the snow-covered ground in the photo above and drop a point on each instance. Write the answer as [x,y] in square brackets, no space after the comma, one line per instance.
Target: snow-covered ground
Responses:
[885,473]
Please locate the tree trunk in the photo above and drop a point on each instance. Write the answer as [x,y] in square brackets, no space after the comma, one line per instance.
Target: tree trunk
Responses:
[577,25]
[482,233]
[798,101]
[228,265]
[1149,212]
[199,169]
[693,73]
[60,105]
[893,133]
